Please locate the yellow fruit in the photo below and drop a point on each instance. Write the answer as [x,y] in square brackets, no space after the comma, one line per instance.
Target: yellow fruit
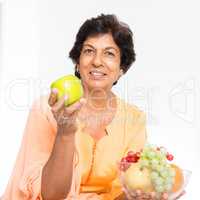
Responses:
[137,178]
[178,179]
[68,85]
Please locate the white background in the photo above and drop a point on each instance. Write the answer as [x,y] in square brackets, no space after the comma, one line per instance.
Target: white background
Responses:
[36,37]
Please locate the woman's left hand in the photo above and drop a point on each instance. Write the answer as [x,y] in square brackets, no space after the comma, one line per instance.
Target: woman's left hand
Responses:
[182,193]
[139,195]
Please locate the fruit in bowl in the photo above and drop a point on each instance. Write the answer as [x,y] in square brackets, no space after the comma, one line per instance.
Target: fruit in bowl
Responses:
[150,171]
[178,178]
[68,85]
[138,178]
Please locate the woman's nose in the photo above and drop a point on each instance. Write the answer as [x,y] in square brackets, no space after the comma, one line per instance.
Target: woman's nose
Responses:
[97,60]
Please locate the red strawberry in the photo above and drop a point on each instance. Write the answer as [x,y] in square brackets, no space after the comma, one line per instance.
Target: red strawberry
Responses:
[132,159]
[129,158]
[169,157]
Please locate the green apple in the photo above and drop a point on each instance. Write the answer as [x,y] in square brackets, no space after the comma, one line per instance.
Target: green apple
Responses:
[138,178]
[68,85]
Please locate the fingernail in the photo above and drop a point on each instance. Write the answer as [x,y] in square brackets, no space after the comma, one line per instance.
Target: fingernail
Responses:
[165,196]
[55,90]
[138,192]
[65,97]
[82,100]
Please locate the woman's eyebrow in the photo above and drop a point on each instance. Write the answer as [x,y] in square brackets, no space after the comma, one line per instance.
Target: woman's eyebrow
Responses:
[108,48]
[89,45]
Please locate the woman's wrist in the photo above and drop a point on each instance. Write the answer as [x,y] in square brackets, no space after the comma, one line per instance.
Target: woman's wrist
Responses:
[66,136]
[66,132]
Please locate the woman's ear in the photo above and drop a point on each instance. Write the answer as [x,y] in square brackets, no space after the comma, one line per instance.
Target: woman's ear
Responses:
[77,73]
[121,72]
[77,67]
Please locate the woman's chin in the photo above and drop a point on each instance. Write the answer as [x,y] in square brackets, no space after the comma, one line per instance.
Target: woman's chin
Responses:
[97,85]
[103,84]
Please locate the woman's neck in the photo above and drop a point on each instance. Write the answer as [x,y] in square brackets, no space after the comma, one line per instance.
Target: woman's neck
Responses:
[98,99]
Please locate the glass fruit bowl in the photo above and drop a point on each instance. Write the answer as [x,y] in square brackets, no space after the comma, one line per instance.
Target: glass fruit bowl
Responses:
[150,171]
[186,174]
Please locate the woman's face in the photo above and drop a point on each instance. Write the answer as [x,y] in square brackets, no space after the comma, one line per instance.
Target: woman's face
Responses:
[99,62]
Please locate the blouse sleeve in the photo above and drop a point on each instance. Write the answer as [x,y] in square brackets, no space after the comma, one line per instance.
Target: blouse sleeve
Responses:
[36,146]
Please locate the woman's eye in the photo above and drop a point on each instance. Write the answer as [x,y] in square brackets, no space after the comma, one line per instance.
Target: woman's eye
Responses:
[88,51]
[110,53]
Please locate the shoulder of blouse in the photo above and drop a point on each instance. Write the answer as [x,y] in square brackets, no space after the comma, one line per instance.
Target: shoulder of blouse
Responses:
[41,105]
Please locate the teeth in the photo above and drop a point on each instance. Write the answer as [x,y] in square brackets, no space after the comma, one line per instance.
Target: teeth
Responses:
[97,73]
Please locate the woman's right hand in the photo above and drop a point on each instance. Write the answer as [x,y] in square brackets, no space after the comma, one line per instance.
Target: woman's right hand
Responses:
[64,116]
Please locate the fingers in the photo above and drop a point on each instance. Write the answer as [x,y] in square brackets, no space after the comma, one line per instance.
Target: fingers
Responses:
[153,195]
[138,194]
[164,196]
[181,195]
[53,97]
[60,104]
[127,192]
[74,107]
[133,194]
[64,115]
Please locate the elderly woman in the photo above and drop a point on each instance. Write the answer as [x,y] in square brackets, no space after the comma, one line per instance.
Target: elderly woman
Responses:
[72,152]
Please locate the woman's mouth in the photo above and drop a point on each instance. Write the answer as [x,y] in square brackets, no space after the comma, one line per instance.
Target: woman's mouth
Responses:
[96,75]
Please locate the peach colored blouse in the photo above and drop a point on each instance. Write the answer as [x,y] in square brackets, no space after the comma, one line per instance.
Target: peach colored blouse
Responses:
[95,174]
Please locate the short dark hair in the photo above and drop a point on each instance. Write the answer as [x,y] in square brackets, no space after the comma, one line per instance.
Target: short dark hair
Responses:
[102,24]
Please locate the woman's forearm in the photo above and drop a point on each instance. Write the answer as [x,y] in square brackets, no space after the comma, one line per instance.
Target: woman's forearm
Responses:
[57,173]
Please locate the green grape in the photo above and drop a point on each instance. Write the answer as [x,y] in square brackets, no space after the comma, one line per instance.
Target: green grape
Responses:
[151,154]
[154,164]
[161,169]
[144,163]
[163,160]
[158,168]
[159,156]
[154,167]
[159,181]
[169,180]
[167,165]
[168,187]
[159,188]
[154,175]
[162,174]
[144,155]
[172,172]
[165,173]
